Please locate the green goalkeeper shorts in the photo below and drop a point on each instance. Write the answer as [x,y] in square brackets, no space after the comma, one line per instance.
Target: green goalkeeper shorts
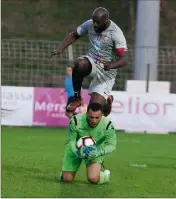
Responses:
[72,163]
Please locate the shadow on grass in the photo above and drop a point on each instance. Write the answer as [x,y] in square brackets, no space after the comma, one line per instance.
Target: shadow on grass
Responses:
[77,189]
[80,189]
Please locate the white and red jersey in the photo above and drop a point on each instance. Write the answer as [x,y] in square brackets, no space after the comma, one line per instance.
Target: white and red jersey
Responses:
[104,46]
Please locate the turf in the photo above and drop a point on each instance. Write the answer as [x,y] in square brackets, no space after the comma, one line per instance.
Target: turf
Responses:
[32,159]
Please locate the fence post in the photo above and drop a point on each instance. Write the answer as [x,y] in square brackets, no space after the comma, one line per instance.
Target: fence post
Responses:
[70,53]
[147,78]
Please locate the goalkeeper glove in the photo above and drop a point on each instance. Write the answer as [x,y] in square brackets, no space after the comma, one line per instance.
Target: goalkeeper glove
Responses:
[87,150]
[80,152]
[96,152]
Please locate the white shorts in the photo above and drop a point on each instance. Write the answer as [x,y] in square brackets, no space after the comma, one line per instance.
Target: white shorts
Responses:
[101,81]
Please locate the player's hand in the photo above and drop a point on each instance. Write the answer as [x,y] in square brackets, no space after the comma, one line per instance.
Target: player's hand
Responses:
[54,53]
[87,150]
[80,153]
[108,66]
[96,152]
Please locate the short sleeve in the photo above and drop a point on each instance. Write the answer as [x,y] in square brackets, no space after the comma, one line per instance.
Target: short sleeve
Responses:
[82,30]
[119,39]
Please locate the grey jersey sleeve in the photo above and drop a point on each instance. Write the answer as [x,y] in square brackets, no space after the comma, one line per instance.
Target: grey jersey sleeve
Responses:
[82,30]
[119,39]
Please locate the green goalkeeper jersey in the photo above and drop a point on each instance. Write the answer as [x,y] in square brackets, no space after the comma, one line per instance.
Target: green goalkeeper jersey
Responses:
[104,133]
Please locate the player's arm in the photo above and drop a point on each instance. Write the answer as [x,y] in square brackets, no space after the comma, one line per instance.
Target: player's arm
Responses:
[73,36]
[121,62]
[120,50]
[72,138]
[72,132]
[111,140]
[109,147]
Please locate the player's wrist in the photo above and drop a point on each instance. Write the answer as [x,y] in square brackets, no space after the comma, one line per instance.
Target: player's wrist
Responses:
[78,153]
[57,52]
[101,151]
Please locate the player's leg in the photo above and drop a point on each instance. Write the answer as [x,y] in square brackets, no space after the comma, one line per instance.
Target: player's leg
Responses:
[67,176]
[82,68]
[103,99]
[108,105]
[95,175]
[70,166]
[68,113]
[102,84]
[93,172]
[97,98]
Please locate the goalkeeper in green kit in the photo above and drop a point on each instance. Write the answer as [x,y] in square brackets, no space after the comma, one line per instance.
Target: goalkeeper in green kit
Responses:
[93,124]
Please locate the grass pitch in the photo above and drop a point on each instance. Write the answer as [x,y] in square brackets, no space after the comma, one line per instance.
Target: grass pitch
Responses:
[142,166]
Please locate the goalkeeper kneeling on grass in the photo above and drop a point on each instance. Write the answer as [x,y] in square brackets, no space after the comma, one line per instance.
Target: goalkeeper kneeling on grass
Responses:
[93,124]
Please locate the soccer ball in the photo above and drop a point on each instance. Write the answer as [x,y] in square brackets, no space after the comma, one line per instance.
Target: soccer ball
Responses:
[85,141]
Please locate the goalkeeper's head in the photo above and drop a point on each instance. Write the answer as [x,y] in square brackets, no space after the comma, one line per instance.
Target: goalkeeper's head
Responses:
[94,114]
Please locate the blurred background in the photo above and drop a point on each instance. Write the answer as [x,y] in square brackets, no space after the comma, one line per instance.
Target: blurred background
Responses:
[32,29]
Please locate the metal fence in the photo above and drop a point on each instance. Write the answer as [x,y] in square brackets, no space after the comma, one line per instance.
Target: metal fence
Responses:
[23,63]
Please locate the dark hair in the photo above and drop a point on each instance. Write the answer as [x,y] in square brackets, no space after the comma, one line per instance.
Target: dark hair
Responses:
[68,66]
[95,107]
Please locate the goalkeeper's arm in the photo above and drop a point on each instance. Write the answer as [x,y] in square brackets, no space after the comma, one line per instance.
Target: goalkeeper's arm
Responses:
[109,147]
[72,138]
[111,140]
[72,132]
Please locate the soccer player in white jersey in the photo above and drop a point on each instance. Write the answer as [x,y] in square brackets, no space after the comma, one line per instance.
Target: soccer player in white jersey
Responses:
[106,54]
